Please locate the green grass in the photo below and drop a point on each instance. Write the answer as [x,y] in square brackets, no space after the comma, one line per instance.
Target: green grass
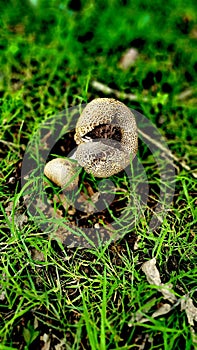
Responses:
[91,298]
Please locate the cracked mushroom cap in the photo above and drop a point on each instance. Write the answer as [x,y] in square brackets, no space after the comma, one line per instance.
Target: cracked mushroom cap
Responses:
[106,133]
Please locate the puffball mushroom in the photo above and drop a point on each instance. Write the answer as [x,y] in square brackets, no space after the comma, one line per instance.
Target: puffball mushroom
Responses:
[107,139]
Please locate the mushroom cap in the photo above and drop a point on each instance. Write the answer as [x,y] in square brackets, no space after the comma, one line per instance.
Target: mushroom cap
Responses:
[106,119]
[62,172]
[102,159]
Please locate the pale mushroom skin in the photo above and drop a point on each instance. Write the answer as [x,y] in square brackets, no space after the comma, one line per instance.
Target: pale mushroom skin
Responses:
[114,153]
[62,172]
[101,159]
[107,139]
[109,111]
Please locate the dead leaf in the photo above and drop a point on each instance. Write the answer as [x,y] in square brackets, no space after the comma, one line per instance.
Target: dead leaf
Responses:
[139,315]
[2,295]
[167,294]
[128,58]
[164,309]
[151,272]
[47,341]
[153,277]
[190,309]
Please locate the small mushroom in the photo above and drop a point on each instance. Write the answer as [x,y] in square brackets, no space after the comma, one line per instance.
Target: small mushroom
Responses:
[62,171]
